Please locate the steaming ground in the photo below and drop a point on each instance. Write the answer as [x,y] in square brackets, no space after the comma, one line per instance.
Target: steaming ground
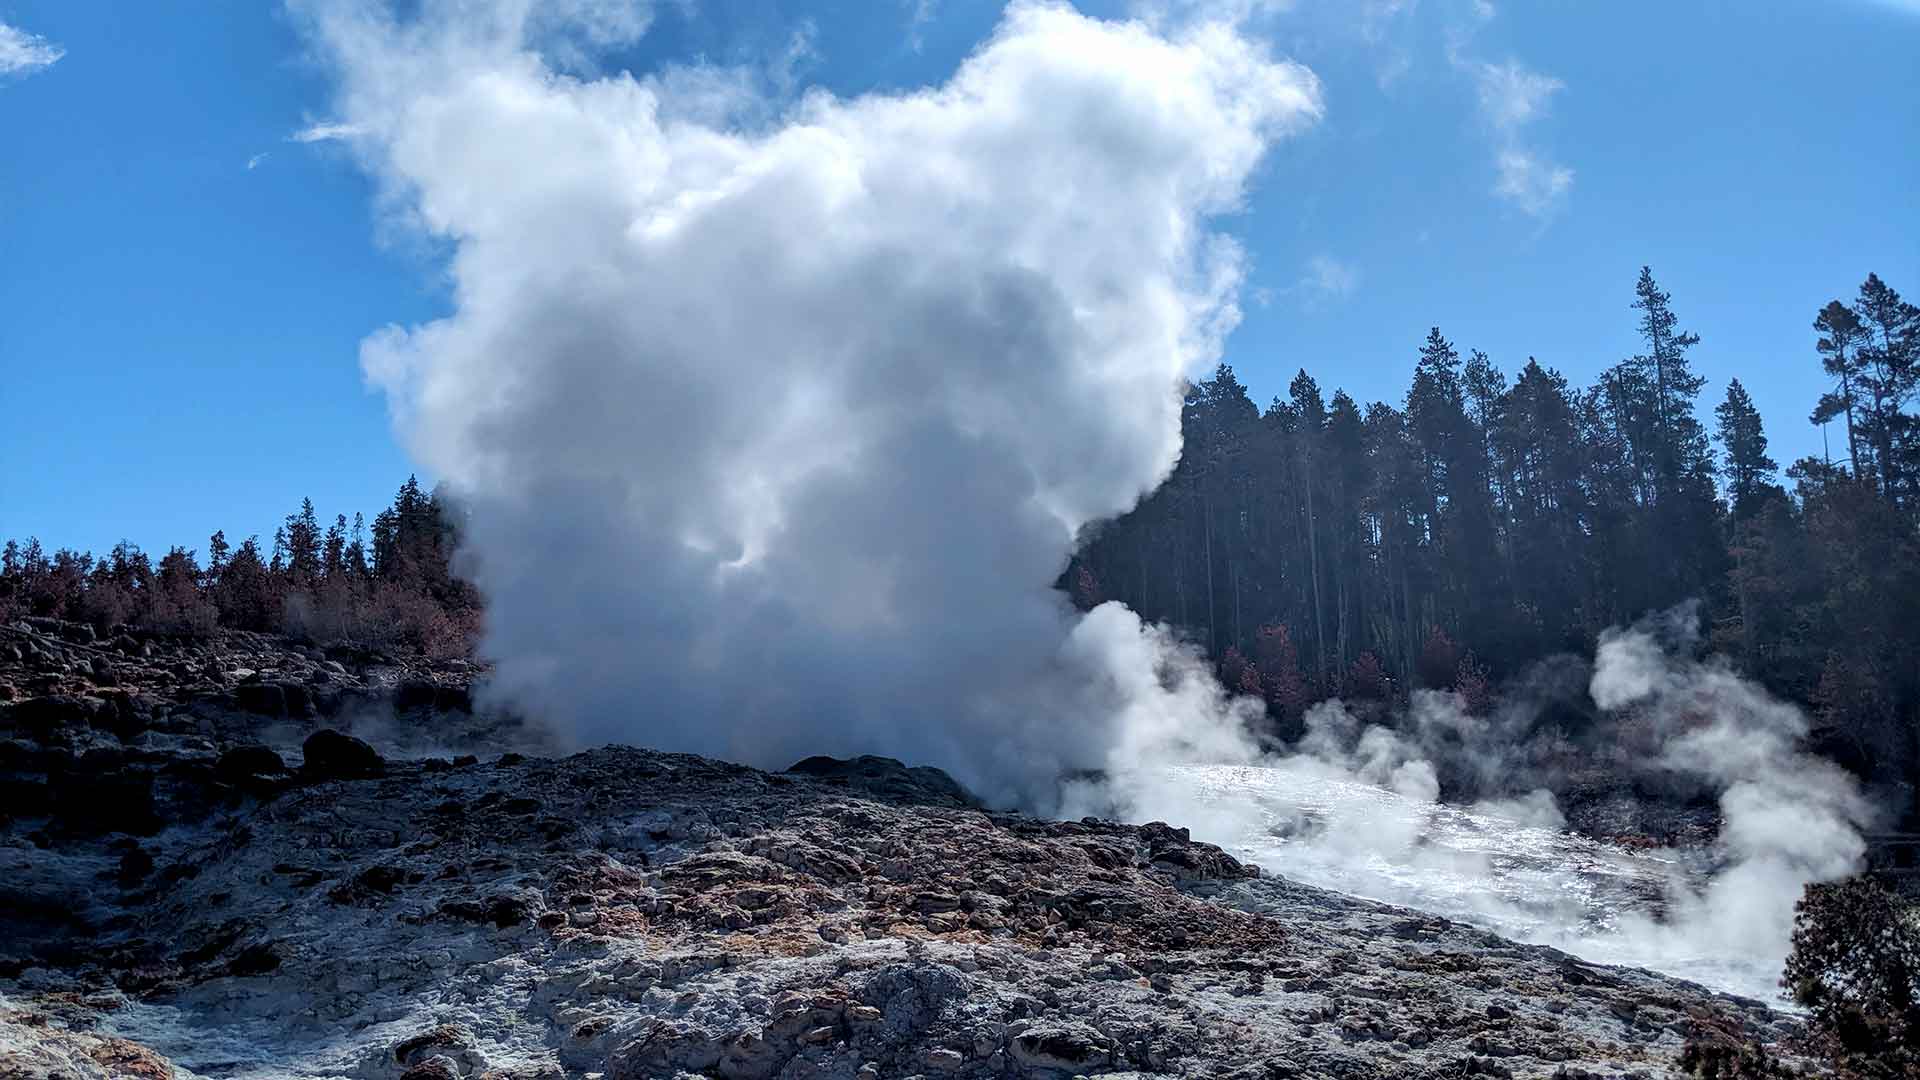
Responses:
[1353,808]
[1540,885]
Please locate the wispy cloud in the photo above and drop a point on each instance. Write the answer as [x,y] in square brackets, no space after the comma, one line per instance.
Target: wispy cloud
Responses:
[787,68]
[324,132]
[254,161]
[22,54]
[1512,97]
[1534,185]
[919,14]
[1327,279]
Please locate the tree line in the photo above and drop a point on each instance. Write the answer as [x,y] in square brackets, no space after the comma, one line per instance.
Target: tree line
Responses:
[390,586]
[1320,547]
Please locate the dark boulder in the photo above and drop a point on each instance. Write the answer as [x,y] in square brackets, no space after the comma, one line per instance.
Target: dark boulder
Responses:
[299,700]
[243,764]
[332,755]
[43,716]
[503,910]
[262,698]
[129,716]
[414,695]
[23,797]
[257,959]
[135,865]
[888,779]
[90,804]
[432,696]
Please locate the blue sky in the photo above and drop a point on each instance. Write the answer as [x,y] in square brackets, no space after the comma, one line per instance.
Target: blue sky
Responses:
[179,346]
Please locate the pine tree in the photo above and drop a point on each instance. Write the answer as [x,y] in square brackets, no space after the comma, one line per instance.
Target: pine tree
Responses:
[1483,384]
[247,598]
[1435,410]
[1310,420]
[1887,358]
[1679,444]
[333,557]
[303,547]
[1747,469]
[386,546]
[355,555]
[1841,337]
[217,552]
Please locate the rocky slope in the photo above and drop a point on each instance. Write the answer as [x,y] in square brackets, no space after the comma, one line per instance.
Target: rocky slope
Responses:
[201,874]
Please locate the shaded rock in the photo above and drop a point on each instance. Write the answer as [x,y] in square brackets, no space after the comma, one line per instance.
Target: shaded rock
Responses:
[243,764]
[435,696]
[333,755]
[44,716]
[1069,1047]
[418,1048]
[116,802]
[261,698]
[888,779]
[299,702]
[256,959]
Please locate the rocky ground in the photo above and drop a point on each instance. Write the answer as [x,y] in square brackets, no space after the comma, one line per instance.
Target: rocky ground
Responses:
[239,859]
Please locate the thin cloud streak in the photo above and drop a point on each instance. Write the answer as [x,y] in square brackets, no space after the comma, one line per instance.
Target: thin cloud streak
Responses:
[22,53]
[1512,98]
[325,132]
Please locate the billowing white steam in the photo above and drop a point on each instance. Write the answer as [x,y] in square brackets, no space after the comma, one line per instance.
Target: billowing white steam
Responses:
[775,434]
[777,420]
[1788,817]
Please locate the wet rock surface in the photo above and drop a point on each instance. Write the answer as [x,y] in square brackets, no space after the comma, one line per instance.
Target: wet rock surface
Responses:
[235,905]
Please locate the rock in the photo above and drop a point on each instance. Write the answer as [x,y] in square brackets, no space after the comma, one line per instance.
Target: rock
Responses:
[332,755]
[256,959]
[1068,1047]
[434,696]
[261,698]
[244,764]
[135,865]
[42,717]
[117,802]
[299,703]
[439,1067]
[888,778]
[127,715]
[418,1048]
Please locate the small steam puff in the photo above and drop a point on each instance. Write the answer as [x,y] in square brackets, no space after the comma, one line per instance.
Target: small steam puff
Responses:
[775,420]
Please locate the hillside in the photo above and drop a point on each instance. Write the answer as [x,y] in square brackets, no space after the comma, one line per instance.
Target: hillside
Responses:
[203,878]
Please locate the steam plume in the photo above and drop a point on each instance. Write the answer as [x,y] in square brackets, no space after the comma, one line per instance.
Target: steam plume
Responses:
[1788,817]
[775,433]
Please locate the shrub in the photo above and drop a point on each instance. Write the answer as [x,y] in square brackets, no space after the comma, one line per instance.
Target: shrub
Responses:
[1855,966]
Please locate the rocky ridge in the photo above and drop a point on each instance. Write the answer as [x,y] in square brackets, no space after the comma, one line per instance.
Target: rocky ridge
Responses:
[200,879]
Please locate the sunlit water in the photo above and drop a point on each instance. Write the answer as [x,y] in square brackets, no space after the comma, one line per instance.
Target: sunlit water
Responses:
[1541,885]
